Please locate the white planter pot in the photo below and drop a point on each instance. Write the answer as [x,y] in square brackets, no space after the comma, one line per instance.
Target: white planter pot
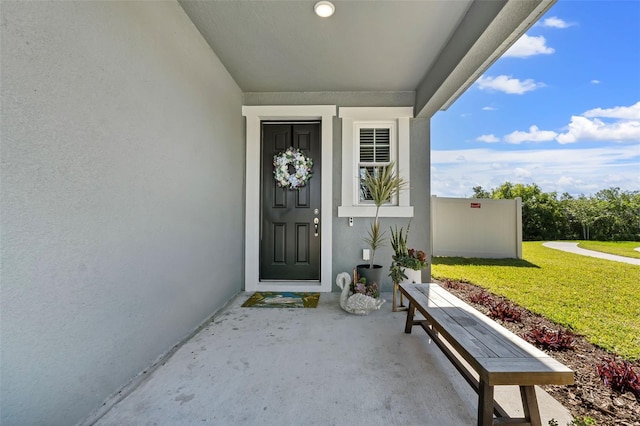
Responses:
[413,276]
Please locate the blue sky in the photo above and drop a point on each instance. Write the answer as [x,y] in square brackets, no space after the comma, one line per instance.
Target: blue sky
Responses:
[560,109]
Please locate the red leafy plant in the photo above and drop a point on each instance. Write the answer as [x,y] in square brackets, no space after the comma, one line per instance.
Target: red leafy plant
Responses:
[550,339]
[505,311]
[452,284]
[619,376]
[482,298]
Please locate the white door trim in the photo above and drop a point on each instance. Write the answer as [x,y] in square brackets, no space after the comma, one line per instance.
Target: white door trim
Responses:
[254,116]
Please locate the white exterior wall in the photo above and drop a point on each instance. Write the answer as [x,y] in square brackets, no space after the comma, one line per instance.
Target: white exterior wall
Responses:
[472,227]
[122,198]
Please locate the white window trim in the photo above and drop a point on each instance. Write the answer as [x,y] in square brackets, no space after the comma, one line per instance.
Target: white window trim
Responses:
[254,116]
[352,118]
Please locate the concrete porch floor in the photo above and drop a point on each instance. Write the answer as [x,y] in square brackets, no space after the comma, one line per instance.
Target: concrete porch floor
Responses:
[257,366]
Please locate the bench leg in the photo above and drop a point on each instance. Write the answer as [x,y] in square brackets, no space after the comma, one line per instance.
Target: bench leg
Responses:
[395,306]
[485,404]
[395,291]
[530,405]
[410,313]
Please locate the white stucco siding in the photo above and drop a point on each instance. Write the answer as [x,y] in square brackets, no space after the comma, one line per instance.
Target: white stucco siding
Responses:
[471,227]
[122,164]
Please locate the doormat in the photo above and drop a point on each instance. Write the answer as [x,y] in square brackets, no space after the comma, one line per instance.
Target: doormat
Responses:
[285,299]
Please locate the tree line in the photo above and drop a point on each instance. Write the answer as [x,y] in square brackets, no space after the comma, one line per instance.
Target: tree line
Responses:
[608,215]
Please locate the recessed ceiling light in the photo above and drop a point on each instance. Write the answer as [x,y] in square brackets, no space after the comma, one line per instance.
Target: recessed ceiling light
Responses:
[324,9]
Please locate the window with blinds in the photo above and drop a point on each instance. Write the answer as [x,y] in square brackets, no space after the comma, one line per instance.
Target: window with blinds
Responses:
[375,146]
[374,137]
[374,152]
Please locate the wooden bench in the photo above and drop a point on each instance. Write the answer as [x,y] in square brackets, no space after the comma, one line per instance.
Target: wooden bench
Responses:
[498,356]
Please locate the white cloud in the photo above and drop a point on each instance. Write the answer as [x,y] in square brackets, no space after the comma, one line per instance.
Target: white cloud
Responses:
[506,84]
[621,112]
[555,22]
[527,46]
[489,108]
[488,138]
[576,171]
[594,81]
[533,135]
[521,173]
[583,128]
[568,181]
[622,124]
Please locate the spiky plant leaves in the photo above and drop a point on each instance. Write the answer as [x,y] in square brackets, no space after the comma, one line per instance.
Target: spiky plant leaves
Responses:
[383,185]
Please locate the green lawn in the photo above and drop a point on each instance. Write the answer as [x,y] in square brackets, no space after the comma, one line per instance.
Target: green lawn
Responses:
[621,248]
[597,298]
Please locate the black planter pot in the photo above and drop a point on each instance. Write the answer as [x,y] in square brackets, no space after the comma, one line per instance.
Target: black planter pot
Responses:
[374,275]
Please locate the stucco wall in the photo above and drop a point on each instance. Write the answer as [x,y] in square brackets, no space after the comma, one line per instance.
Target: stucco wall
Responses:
[348,241]
[474,227]
[122,196]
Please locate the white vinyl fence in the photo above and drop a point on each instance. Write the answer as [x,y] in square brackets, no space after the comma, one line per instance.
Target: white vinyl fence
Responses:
[476,227]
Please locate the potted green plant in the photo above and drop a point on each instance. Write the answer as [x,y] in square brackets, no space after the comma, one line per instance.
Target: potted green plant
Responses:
[383,185]
[407,263]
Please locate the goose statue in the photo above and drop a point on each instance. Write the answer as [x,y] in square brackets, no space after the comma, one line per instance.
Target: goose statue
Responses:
[357,304]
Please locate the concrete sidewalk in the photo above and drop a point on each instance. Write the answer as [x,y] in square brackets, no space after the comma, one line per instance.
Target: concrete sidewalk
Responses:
[573,248]
[257,366]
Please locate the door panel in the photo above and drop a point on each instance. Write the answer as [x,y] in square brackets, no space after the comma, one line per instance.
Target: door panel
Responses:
[302,243]
[289,246]
[279,238]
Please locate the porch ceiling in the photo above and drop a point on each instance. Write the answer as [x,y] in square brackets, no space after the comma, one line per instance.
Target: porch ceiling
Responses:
[282,46]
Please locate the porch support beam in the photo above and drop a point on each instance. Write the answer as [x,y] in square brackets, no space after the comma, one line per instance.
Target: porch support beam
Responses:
[485,33]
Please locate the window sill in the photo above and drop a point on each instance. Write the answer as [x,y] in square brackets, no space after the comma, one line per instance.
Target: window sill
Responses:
[370,211]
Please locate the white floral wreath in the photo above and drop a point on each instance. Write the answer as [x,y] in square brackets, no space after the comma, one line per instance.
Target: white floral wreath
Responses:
[301,164]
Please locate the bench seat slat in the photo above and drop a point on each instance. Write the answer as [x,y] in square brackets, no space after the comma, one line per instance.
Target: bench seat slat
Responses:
[489,332]
[531,350]
[523,371]
[525,349]
[446,325]
[476,337]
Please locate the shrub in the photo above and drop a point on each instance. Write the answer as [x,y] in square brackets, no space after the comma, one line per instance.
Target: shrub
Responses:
[550,339]
[481,298]
[505,311]
[452,284]
[619,376]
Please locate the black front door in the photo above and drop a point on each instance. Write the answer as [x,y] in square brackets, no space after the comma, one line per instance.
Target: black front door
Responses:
[290,225]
